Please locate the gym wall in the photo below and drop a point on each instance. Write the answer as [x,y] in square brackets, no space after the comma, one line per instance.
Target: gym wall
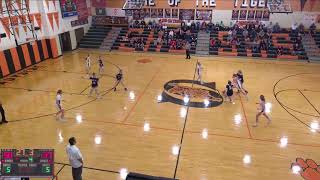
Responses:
[45,14]
[17,58]
[223,10]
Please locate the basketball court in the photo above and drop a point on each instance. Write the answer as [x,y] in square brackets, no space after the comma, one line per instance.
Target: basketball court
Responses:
[131,130]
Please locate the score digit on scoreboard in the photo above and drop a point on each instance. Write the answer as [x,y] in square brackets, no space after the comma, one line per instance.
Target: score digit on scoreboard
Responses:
[27,163]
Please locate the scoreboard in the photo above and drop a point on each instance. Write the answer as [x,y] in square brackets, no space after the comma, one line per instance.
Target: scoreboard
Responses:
[27,163]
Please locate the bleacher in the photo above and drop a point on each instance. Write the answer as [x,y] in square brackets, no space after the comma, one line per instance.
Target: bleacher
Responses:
[149,36]
[284,40]
[95,36]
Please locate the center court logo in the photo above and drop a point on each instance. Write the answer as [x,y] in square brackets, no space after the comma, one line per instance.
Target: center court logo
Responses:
[176,90]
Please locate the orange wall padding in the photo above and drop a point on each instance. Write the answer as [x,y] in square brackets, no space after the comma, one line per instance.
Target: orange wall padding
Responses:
[26,54]
[3,64]
[54,48]
[36,52]
[45,49]
[15,59]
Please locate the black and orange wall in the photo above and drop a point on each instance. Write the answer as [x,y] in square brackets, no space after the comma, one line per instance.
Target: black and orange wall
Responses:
[18,58]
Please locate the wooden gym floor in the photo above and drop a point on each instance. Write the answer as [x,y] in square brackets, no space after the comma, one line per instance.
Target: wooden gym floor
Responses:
[111,133]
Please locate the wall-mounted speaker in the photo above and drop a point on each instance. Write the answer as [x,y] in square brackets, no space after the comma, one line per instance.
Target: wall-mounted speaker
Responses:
[3,35]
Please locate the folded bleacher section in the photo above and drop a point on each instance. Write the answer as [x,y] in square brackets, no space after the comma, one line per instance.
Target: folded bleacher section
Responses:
[95,36]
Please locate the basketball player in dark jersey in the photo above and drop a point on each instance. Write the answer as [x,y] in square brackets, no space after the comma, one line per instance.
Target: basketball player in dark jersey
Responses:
[94,85]
[262,111]
[241,81]
[228,93]
[119,78]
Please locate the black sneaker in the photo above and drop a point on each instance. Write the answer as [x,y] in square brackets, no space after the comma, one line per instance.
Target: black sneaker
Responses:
[125,89]
[5,121]
[0,122]
[114,89]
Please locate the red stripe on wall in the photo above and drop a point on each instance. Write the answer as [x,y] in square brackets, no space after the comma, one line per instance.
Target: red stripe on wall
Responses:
[36,52]
[15,59]
[3,64]
[26,54]
[45,49]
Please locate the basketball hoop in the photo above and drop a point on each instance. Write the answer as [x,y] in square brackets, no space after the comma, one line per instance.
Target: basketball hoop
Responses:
[25,34]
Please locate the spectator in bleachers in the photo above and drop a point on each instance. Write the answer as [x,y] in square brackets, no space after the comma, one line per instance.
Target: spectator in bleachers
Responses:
[210,27]
[136,24]
[150,25]
[212,42]
[294,27]
[276,28]
[189,25]
[203,25]
[280,50]
[218,42]
[261,34]
[245,33]
[131,23]
[142,24]
[171,34]
[197,26]
[193,26]
[312,29]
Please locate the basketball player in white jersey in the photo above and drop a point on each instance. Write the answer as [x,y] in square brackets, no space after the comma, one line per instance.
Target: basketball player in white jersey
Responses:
[60,113]
[262,111]
[88,64]
[199,72]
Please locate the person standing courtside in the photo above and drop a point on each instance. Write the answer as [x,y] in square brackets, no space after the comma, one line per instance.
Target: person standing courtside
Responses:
[3,116]
[75,159]
[188,50]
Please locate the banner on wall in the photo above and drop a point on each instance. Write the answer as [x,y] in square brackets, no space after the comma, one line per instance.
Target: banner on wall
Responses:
[56,17]
[5,23]
[167,13]
[118,12]
[83,13]
[309,18]
[170,21]
[186,14]
[1,6]
[101,11]
[160,13]
[266,15]
[205,15]
[79,22]
[38,19]
[146,12]
[50,17]
[251,14]
[154,13]
[235,14]
[82,9]
[258,15]
[68,8]
[175,13]
[99,3]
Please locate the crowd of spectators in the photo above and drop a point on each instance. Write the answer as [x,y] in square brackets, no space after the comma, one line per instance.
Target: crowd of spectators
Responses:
[173,38]
[256,36]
